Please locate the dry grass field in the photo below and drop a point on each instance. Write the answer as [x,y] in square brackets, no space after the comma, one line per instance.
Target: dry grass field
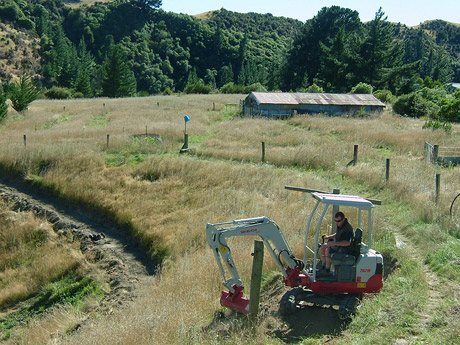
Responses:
[166,199]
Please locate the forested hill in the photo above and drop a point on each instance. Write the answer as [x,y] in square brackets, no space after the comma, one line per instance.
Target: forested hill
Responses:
[251,23]
[129,47]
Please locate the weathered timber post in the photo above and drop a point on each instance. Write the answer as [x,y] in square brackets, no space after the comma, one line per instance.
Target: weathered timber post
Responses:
[435,153]
[263,152]
[256,278]
[214,106]
[355,154]
[387,169]
[108,140]
[335,209]
[437,188]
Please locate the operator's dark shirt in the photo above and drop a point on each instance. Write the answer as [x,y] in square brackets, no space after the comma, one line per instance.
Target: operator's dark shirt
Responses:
[344,233]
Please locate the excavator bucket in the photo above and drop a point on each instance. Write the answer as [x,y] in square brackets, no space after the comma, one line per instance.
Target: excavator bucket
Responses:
[235,300]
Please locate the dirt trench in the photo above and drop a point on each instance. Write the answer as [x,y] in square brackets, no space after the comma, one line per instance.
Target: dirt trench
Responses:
[102,241]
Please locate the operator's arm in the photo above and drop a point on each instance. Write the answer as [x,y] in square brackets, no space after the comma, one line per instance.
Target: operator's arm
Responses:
[345,241]
[338,244]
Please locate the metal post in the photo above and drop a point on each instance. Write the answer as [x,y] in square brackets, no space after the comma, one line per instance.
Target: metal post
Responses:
[256,278]
[437,190]
[387,169]
[335,209]
[146,131]
[263,151]
[25,140]
[355,154]
[108,140]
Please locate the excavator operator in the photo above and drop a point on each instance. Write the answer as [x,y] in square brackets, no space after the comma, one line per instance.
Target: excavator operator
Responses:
[338,243]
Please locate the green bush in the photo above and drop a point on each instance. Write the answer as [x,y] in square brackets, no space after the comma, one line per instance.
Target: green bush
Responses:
[436,124]
[58,93]
[362,88]
[167,92]
[198,87]
[314,88]
[10,12]
[25,23]
[450,110]
[256,87]
[385,96]
[3,107]
[231,88]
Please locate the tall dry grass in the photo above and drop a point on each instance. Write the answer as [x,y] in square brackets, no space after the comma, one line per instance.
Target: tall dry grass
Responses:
[168,198]
[31,255]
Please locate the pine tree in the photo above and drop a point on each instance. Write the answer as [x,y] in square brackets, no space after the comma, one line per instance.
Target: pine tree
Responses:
[118,79]
[376,50]
[23,93]
[84,71]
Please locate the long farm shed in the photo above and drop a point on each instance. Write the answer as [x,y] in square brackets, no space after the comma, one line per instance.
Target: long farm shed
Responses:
[282,104]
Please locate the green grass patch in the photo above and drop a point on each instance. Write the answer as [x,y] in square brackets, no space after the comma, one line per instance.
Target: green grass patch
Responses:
[116,159]
[62,119]
[70,290]
[198,139]
[99,121]
[446,260]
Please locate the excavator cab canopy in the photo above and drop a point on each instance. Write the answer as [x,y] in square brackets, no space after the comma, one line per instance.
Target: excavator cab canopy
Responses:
[325,200]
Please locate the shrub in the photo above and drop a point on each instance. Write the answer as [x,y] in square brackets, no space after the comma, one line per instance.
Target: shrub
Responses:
[142,94]
[256,87]
[450,110]
[167,92]
[3,107]
[232,88]
[58,93]
[362,88]
[10,12]
[385,96]
[198,87]
[314,88]
[436,124]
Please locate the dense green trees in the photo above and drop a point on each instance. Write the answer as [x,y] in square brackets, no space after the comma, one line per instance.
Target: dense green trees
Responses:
[115,49]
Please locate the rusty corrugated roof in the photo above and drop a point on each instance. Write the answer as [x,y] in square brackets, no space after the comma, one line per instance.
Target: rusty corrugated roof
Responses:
[317,98]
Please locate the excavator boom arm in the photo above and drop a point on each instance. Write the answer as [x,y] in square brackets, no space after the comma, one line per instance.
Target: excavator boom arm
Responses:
[263,227]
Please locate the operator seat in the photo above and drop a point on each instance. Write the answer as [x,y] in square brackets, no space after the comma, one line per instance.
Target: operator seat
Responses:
[338,259]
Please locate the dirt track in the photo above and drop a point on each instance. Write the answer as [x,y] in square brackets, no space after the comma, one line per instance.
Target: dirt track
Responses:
[101,240]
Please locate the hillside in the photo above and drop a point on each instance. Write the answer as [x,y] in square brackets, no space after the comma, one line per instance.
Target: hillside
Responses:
[166,52]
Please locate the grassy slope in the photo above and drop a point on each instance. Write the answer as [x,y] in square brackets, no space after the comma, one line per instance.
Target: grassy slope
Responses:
[168,198]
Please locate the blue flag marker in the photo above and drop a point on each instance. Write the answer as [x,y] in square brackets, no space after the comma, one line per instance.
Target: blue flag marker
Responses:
[186,118]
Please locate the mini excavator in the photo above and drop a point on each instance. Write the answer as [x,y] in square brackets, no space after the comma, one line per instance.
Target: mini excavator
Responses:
[358,272]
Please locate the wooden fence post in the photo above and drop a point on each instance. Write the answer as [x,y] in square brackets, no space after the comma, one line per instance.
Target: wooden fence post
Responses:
[387,169]
[435,153]
[335,209]
[263,151]
[256,279]
[437,188]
